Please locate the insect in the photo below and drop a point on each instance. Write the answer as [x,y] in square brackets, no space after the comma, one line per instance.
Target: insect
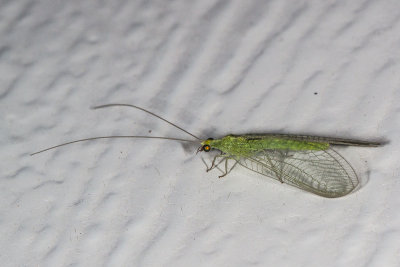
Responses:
[307,162]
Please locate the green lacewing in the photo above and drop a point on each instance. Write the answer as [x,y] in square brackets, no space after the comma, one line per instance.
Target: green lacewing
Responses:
[306,162]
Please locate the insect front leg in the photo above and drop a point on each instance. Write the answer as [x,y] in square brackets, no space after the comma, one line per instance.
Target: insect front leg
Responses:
[213,165]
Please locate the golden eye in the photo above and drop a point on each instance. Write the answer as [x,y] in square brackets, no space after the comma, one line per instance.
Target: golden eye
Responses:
[206,148]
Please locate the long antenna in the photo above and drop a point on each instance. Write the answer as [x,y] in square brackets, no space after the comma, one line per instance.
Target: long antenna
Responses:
[149,112]
[115,136]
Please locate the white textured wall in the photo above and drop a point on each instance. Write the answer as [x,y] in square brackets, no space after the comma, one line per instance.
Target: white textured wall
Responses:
[214,67]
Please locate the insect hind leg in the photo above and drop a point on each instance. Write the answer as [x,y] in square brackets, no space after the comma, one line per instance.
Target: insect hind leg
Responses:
[276,162]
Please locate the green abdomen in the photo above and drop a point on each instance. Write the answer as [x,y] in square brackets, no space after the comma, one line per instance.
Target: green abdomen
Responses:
[242,145]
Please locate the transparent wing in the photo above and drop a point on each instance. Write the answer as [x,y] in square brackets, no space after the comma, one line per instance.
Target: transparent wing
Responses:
[325,173]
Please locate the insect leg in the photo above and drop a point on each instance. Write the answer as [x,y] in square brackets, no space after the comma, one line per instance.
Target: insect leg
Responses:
[226,168]
[282,156]
[278,172]
[213,165]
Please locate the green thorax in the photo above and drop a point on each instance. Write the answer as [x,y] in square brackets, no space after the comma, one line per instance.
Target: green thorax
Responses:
[248,145]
